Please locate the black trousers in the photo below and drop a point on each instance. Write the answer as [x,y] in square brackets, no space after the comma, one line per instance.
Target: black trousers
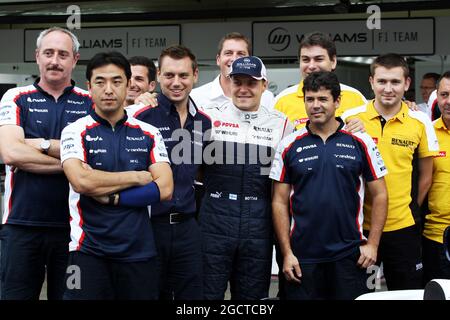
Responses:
[435,262]
[96,278]
[180,264]
[401,254]
[337,280]
[27,254]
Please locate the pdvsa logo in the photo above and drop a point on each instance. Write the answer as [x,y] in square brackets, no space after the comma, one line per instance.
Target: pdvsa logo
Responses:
[219,123]
[279,39]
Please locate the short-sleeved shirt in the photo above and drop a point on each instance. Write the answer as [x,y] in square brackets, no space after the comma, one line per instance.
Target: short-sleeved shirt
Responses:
[291,102]
[185,149]
[39,199]
[113,232]
[398,140]
[211,95]
[328,190]
[439,195]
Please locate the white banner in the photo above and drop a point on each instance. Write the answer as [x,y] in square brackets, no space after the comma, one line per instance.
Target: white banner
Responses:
[352,37]
[130,41]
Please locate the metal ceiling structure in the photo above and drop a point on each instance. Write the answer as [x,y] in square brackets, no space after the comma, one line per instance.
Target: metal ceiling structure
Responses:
[37,11]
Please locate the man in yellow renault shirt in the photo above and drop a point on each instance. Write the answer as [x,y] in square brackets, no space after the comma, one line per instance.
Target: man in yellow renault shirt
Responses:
[435,263]
[317,52]
[399,133]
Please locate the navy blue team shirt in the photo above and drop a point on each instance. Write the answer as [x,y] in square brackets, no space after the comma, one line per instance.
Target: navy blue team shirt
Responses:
[185,149]
[115,232]
[328,190]
[40,199]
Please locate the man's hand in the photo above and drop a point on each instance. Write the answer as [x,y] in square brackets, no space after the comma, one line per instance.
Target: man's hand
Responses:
[412,105]
[368,255]
[147,99]
[291,268]
[145,177]
[355,125]
[102,199]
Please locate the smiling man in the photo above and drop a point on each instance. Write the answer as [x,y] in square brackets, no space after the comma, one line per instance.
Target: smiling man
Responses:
[143,78]
[320,173]
[177,234]
[400,134]
[235,215]
[36,217]
[317,52]
[217,93]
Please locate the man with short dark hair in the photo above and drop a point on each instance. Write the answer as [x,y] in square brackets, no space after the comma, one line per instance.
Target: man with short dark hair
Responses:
[317,52]
[116,166]
[184,129]
[143,78]
[320,173]
[36,213]
[401,135]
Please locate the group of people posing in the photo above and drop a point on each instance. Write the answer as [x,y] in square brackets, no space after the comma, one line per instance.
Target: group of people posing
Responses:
[120,193]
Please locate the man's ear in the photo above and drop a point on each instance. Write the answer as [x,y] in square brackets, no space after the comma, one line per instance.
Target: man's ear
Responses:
[337,102]
[407,83]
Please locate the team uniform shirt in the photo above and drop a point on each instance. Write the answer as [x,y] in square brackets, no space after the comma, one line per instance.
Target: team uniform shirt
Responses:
[39,199]
[403,135]
[291,102]
[438,196]
[211,95]
[328,190]
[184,146]
[113,232]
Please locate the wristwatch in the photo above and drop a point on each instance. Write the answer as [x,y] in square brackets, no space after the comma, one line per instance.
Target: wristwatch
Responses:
[45,146]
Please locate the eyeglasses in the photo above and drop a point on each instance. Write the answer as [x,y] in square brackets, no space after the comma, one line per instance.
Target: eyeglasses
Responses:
[427,88]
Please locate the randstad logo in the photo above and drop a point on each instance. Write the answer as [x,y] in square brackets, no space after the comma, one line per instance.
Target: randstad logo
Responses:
[279,39]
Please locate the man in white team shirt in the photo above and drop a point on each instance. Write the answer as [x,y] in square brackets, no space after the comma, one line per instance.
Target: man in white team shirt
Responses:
[217,93]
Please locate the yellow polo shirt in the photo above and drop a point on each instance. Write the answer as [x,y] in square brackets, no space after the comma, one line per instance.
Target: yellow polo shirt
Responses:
[291,102]
[439,195]
[397,141]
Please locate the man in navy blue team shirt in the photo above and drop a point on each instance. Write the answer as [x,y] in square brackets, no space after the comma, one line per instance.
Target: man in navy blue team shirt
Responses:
[36,214]
[326,167]
[184,129]
[116,166]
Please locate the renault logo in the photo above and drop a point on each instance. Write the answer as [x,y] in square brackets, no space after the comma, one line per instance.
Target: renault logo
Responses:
[279,39]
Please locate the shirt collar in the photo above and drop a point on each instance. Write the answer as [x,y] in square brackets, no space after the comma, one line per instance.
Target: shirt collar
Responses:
[439,124]
[245,116]
[338,119]
[401,115]
[66,89]
[300,90]
[168,106]
[216,89]
[105,122]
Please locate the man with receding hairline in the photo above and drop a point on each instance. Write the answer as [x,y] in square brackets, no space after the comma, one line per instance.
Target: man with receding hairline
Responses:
[36,213]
